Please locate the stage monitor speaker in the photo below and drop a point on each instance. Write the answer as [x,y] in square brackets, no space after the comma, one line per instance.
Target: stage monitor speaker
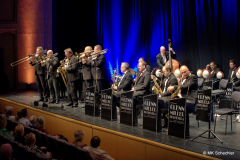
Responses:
[42,104]
[33,103]
[55,106]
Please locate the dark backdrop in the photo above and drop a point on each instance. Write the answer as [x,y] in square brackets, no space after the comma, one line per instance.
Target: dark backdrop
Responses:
[201,30]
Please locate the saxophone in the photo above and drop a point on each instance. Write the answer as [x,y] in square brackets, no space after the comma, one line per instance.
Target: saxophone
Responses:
[114,81]
[63,72]
[156,88]
[177,93]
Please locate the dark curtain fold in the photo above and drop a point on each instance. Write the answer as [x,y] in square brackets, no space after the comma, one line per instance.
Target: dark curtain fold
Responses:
[201,30]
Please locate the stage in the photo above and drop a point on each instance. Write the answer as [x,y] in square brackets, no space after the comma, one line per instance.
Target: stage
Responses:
[229,146]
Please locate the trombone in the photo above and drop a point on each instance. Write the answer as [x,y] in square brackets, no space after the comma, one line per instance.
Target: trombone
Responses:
[26,58]
[42,58]
[90,56]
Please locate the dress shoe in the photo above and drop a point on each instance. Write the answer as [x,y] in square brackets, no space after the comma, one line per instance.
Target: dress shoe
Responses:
[41,99]
[57,101]
[69,104]
[45,100]
[52,101]
[75,105]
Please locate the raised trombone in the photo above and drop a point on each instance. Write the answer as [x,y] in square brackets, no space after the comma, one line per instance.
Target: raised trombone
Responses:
[30,56]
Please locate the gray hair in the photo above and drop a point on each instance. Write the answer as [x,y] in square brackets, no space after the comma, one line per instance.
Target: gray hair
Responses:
[33,119]
[88,48]
[9,110]
[40,122]
[69,50]
[79,135]
[40,48]
[125,64]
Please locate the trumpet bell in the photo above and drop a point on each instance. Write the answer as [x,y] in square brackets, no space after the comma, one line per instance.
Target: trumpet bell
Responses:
[199,73]
[158,73]
[220,75]
[177,73]
[206,73]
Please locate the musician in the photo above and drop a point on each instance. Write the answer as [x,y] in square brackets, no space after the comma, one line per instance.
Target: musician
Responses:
[72,77]
[169,80]
[86,71]
[97,69]
[214,70]
[125,83]
[232,73]
[52,64]
[148,68]
[39,74]
[163,56]
[188,83]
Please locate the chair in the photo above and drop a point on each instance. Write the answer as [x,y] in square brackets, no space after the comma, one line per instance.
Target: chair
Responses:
[222,87]
[228,111]
[72,151]
[40,156]
[62,149]
[53,147]
[83,153]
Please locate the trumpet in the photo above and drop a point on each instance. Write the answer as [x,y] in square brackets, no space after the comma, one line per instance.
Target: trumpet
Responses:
[84,54]
[30,56]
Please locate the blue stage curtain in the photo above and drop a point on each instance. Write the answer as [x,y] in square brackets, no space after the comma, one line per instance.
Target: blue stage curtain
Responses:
[201,31]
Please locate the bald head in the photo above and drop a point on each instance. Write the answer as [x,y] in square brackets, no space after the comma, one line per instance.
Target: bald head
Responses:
[49,52]
[6,150]
[184,71]
[87,49]
[162,50]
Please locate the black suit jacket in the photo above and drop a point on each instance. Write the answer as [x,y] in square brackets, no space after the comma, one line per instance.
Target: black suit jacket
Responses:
[172,81]
[52,66]
[39,69]
[126,83]
[190,80]
[160,58]
[98,66]
[86,70]
[143,83]
[214,74]
[72,70]
[234,77]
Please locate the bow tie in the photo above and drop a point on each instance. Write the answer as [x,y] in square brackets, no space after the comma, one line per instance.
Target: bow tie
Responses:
[141,72]
[233,69]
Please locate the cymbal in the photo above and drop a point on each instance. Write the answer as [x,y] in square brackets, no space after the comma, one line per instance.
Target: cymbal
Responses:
[132,71]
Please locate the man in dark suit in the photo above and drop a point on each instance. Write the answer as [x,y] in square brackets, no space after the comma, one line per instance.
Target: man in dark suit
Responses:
[97,69]
[40,74]
[125,84]
[163,56]
[86,71]
[232,75]
[52,64]
[188,83]
[169,80]
[214,70]
[72,77]
[143,79]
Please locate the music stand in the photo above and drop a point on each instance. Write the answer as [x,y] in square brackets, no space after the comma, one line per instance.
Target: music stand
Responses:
[209,128]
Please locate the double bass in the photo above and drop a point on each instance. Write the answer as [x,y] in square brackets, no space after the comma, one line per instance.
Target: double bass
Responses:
[172,63]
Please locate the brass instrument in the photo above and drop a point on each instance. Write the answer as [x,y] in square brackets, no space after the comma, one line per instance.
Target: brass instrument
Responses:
[26,58]
[156,88]
[29,66]
[176,94]
[63,72]
[113,79]
[90,56]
